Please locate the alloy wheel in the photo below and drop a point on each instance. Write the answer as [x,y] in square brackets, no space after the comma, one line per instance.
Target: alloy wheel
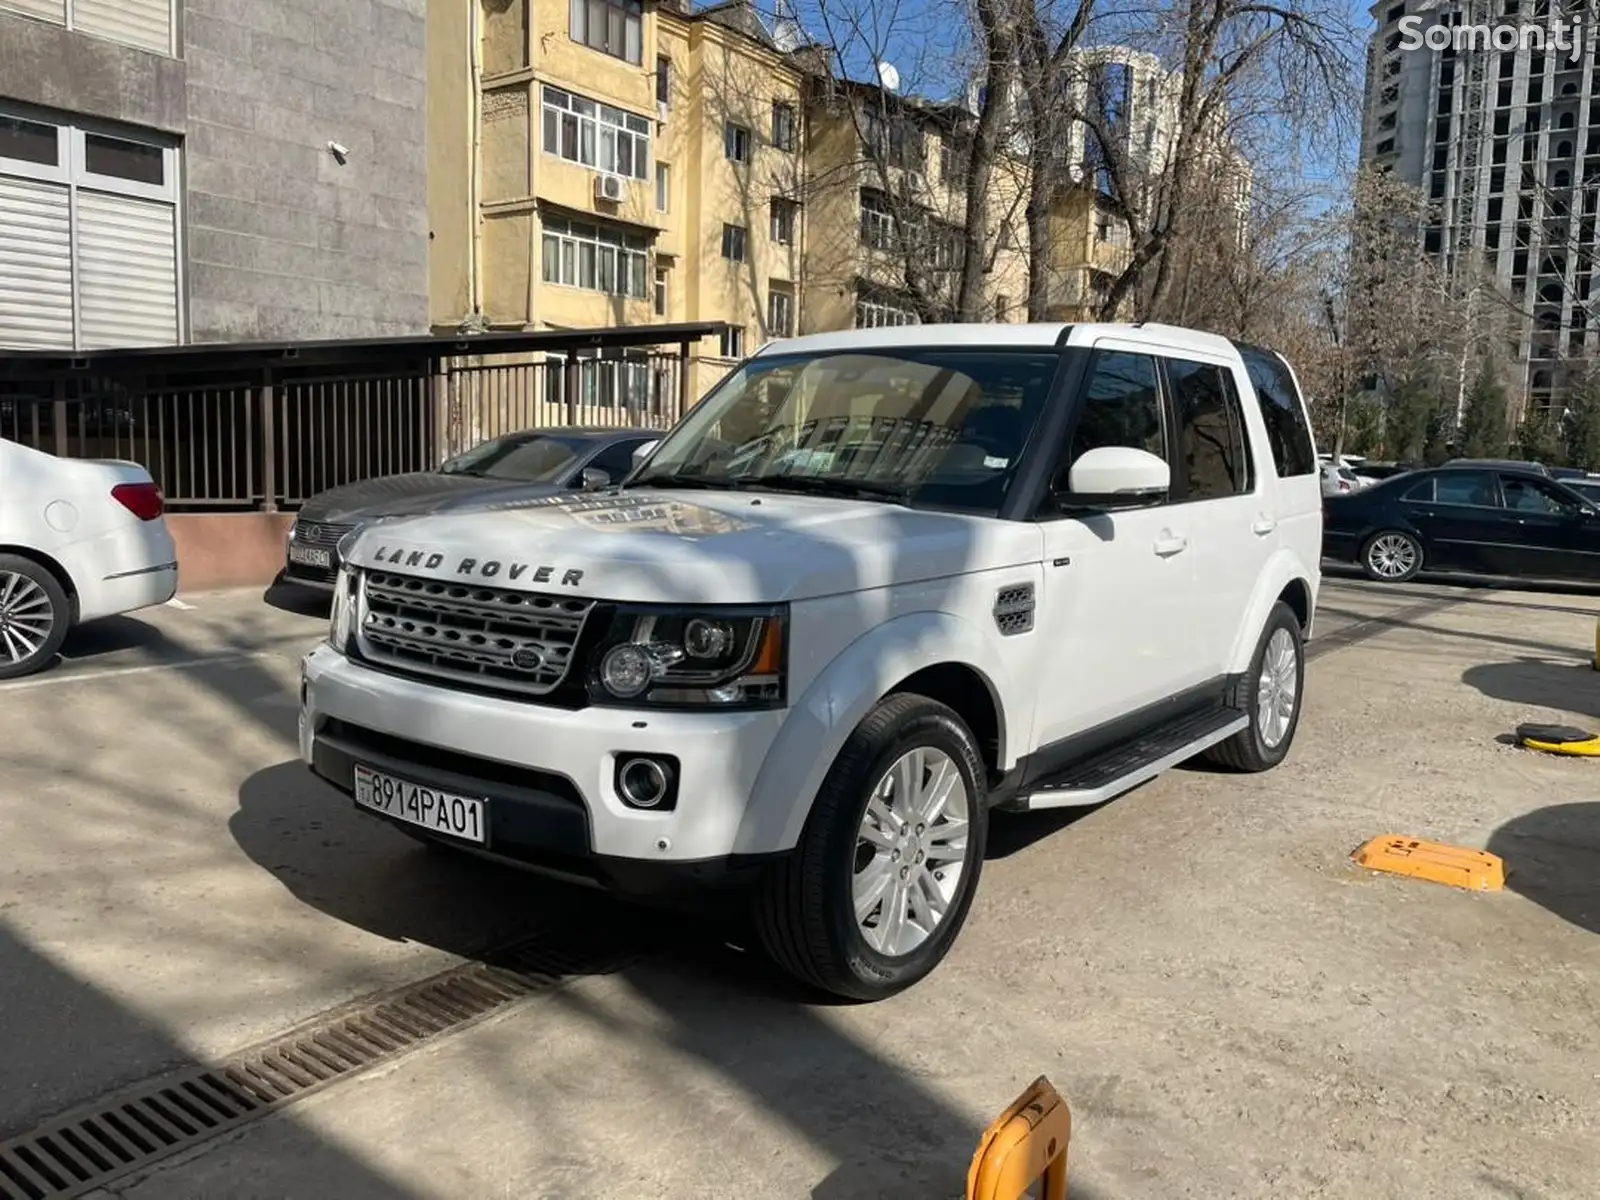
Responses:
[911,851]
[1392,556]
[1277,688]
[26,617]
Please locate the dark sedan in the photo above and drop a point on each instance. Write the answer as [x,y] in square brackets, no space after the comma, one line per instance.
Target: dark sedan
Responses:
[530,463]
[1500,520]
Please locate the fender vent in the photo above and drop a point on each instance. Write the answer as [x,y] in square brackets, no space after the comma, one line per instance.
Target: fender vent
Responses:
[1013,609]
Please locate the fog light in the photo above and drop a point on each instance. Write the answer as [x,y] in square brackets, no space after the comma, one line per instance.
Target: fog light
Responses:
[626,670]
[647,781]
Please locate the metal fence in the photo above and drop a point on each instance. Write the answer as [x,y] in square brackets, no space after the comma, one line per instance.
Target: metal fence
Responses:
[269,437]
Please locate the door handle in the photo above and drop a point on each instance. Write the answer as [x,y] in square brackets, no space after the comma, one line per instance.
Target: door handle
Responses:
[1263,526]
[1170,545]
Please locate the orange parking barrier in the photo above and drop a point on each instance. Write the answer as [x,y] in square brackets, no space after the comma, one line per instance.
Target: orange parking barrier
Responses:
[1458,866]
[1026,1145]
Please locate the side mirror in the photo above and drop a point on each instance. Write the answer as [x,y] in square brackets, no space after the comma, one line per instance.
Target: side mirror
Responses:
[641,453]
[593,479]
[1116,477]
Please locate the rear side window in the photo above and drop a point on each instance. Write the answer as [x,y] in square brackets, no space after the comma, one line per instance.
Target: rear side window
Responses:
[1465,487]
[1213,457]
[1293,450]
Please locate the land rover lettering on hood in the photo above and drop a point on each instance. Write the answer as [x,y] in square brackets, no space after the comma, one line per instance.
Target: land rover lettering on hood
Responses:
[874,585]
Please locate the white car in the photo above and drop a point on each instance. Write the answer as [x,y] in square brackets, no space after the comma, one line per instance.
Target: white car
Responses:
[874,585]
[79,540]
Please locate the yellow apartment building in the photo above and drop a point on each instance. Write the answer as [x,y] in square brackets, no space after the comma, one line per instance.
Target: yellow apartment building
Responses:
[610,162]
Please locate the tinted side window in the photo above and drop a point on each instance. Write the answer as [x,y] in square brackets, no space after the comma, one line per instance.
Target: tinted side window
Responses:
[1421,490]
[1527,495]
[1293,450]
[1465,487]
[617,460]
[1121,406]
[1212,454]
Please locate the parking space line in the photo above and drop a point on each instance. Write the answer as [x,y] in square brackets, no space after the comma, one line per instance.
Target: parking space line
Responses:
[23,685]
[180,605]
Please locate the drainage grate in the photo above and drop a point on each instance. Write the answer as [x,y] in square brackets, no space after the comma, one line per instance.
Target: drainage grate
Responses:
[96,1144]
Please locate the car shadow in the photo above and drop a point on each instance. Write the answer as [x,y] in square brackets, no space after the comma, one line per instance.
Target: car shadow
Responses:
[115,635]
[295,598]
[1552,856]
[717,998]
[1563,686]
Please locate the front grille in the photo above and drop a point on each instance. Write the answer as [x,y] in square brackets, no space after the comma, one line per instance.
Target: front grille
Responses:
[315,533]
[516,641]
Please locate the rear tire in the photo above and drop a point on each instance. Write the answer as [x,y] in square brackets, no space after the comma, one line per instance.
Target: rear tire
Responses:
[884,839]
[1274,692]
[1391,556]
[35,615]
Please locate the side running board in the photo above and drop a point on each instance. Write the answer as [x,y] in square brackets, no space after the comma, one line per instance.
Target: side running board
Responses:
[1124,767]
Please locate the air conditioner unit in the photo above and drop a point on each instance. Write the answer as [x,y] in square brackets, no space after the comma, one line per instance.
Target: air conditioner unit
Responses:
[609,188]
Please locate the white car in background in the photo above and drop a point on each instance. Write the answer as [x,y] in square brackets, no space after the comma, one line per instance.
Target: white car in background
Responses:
[79,540]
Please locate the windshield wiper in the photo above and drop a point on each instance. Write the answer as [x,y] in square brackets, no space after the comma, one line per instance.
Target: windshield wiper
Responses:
[824,485]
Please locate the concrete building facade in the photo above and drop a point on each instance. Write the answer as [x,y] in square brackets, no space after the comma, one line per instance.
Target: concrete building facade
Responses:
[211,170]
[1505,143]
[679,166]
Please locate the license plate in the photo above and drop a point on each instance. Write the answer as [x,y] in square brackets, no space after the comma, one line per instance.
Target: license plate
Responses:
[442,812]
[310,556]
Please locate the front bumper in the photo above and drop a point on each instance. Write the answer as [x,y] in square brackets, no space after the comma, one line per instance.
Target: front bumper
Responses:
[546,774]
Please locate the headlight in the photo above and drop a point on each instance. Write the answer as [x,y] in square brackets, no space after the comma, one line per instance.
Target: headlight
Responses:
[672,658]
[341,622]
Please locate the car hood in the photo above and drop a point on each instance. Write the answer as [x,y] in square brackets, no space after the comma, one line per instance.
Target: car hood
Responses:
[412,494]
[650,545]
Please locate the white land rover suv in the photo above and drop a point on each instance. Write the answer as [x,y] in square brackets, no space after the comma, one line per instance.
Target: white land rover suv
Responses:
[874,585]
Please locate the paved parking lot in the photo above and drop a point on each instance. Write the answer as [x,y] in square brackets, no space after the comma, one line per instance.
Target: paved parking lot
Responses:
[1231,1008]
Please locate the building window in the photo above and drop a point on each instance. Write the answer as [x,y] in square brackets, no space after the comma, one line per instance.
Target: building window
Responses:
[875,309]
[663,80]
[877,222]
[88,234]
[947,246]
[735,242]
[596,135]
[785,135]
[780,310]
[146,24]
[784,213]
[661,292]
[736,142]
[614,27]
[732,341]
[895,141]
[596,258]
[663,187]
[1002,307]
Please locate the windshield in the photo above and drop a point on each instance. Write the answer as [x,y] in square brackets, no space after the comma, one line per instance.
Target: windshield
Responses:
[935,427]
[519,458]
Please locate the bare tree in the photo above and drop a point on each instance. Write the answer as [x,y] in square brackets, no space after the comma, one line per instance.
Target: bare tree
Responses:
[1240,72]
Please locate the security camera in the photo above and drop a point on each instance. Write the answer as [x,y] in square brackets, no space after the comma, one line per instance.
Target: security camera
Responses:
[339,152]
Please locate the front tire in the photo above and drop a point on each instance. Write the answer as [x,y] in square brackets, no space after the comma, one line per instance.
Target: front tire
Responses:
[1274,692]
[1391,557]
[34,616]
[880,884]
